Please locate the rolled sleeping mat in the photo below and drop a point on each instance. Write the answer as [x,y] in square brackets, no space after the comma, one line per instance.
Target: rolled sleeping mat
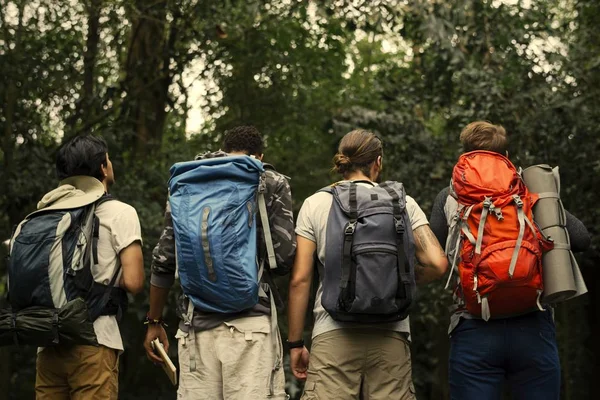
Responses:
[557,267]
[561,275]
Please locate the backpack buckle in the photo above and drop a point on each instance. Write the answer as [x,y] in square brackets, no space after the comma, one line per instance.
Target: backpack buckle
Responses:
[498,213]
[262,184]
[399,226]
[350,228]
[518,201]
[487,203]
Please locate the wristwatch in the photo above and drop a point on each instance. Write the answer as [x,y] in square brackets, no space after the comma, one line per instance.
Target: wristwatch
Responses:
[295,344]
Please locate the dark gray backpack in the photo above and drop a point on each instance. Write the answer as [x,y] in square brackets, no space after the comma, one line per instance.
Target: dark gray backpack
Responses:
[370,255]
[52,294]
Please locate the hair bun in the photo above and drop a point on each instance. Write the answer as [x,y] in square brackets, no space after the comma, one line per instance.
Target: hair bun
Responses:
[342,163]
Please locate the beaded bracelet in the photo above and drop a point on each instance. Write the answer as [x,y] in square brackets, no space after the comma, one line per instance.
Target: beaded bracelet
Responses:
[151,321]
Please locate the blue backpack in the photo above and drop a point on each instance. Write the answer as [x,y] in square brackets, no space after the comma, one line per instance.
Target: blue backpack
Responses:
[214,203]
[52,293]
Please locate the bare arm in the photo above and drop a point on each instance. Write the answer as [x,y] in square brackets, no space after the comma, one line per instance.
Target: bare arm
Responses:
[431,259]
[302,273]
[132,265]
[300,282]
[163,276]
[158,300]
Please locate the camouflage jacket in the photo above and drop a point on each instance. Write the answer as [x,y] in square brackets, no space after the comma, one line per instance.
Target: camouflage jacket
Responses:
[281,220]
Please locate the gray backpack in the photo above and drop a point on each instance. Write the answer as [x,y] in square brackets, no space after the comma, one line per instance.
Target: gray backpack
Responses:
[370,257]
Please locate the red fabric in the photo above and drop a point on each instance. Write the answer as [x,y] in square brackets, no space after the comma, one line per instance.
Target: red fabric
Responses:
[481,174]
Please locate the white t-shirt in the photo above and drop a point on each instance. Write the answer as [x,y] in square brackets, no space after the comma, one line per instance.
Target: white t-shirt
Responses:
[312,225]
[119,227]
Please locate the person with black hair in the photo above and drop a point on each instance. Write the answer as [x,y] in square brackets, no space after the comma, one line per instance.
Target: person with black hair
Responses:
[233,352]
[85,371]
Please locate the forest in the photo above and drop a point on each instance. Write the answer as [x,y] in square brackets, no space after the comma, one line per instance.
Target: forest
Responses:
[162,80]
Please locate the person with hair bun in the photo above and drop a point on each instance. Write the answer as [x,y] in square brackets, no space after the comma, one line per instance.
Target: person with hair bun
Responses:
[352,360]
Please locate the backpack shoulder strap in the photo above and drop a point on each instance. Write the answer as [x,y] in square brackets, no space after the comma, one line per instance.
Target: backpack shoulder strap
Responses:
[330,188]
[104,199]
[396,192]
[108,289]
[398,195]
[326,189]
[264,218]
[96,225]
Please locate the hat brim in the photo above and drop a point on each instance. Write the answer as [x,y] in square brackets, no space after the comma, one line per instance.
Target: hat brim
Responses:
[92,190]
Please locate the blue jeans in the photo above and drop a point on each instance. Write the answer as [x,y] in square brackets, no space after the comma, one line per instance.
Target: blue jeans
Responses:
[521,351]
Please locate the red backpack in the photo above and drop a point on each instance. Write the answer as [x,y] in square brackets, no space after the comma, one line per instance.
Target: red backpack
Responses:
[498,248]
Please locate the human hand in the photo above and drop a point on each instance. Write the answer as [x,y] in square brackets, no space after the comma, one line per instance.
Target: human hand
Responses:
[299,362]
[155,331]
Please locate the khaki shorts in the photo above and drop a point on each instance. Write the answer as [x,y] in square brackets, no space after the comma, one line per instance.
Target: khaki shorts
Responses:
[234,361]
[78,373]
[347,363]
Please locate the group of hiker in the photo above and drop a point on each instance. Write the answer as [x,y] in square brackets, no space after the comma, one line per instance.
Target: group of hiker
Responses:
[229,230]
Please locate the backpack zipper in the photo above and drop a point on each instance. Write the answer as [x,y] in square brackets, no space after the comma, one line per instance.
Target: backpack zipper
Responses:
[375,250]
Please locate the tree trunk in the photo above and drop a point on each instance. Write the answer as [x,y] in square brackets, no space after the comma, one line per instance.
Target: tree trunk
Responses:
[84,109]
[11,97]
[147,75]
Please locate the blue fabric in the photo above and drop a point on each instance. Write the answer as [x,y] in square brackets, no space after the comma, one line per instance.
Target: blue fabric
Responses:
[226,188]
[520,352]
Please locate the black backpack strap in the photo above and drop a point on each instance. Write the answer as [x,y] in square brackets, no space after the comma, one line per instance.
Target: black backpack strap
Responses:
[114,300]
[110,293]
[96,226]
[111,300]
[326,189]
[404,273]
[348,273]
[268,279]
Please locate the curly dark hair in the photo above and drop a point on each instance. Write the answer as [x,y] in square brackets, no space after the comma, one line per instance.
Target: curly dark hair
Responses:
[82,155]
[243,138]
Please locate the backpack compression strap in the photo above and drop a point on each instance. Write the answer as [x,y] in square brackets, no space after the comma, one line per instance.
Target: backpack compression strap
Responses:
[403,265]
[522,220]
[347,246]
[262,210]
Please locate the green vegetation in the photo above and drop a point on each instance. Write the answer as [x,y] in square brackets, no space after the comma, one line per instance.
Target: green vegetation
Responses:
[305,73]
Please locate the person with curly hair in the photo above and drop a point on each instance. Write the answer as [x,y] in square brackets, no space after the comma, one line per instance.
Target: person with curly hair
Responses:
[233,352]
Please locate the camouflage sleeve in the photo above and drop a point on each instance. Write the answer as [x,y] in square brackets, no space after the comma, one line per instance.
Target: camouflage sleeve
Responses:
[163,255]
[281,221]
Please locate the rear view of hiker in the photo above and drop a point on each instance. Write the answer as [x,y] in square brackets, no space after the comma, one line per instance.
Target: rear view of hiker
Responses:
[70,265]
[365,236]
[228,228]
[500,330]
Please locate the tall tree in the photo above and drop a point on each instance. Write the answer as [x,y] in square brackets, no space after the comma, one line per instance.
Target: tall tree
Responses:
[147,77]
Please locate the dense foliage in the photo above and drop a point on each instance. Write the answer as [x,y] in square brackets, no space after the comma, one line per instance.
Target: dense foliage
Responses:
[161,80]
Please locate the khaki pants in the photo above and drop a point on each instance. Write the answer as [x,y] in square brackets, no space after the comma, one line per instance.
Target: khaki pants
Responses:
[234,361]
[347,363]
[77,372]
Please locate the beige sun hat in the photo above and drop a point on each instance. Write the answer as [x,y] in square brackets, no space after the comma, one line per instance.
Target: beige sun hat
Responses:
[73,192]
